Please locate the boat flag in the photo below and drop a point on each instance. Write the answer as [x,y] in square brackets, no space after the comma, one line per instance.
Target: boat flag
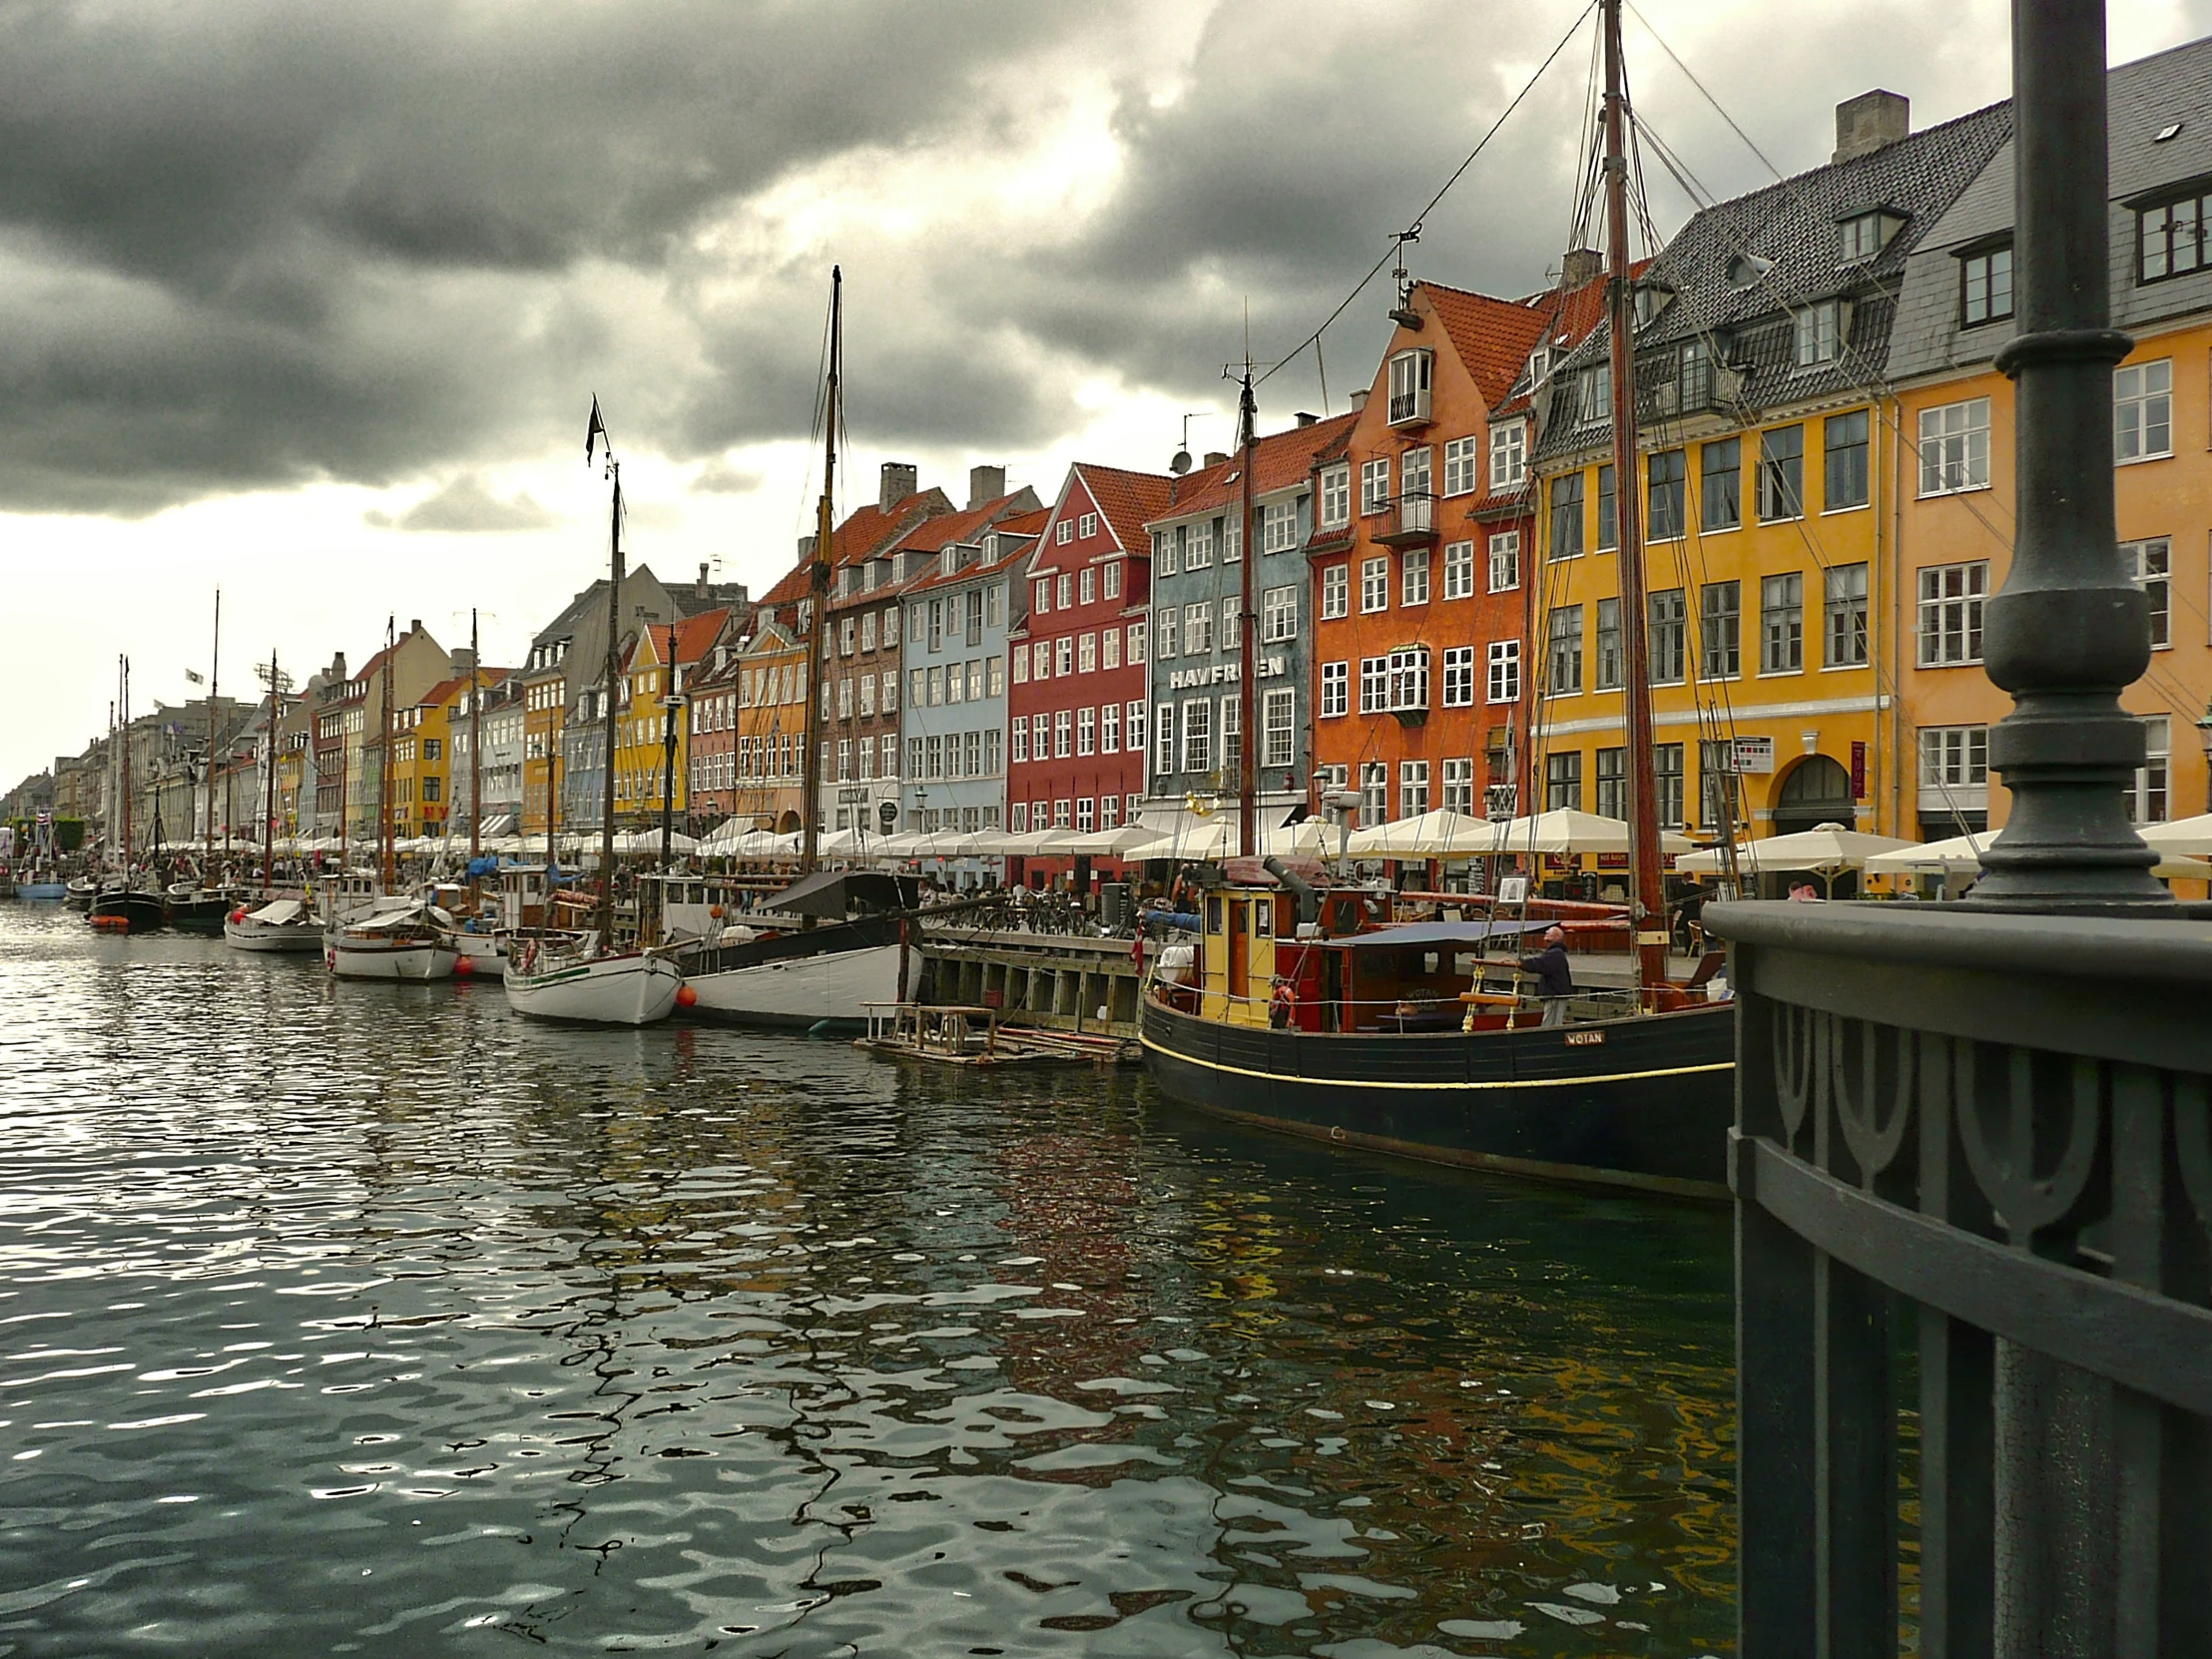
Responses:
[595,433]
[194,678]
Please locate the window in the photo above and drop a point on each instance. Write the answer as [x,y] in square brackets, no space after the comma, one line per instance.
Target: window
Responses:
[1608,510]
[1508,455]
[1065,532]
[1375,485]
[1412,486]
[1595,394]
[1566,516]
[995,604]
[1565,658]
[1136,644]
[1063,732]
[1278,728]
[1375,786]
[1721,629]
[1335,591]
[867,695]
[1504,560]
[990,752]
[1198,737]
[1954,760]
[1109,579]
[1231,625]
[1063,592]
[1109,729]
[1278,526]
[1336,497]
[1060,814]
[1611,777]
[1409,677]
[2150,563]
[1198,544]
[1563,783]
[2143,412]
[1782,624]
[1336,689]
[2169,237]
[1845,587]
[1162,551]
[1504,670]
[1198,629]
[1086,818]
[867,631]
[1133,736]
[1109,811]
[1232,540]
[1109,648]
[1018,818]
[1459,676]
[1018,737]
[1164,734]
[2149,799]
[994,678]
[1844,470]
[1164,632]
[1666,635]
[1087,525]
[1955,447]
[1605,669]
[1413,787]
[1279,615]
[1459,786]
[1985,286]
[1462,473]
[1665,472]
[1721,484]
[1666,767]
[1819,334]
[1413,576]
[1951,613]
[1021,665]
[845,760]
[1410,373]
[1375,684]
[1086,654]
[1086,731]
[1040,735]
[1782,473]
[1459,570]
[1860,237]
[1086,588]
[1375,584]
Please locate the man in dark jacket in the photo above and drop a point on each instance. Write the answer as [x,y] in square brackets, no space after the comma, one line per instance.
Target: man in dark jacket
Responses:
[1553,983]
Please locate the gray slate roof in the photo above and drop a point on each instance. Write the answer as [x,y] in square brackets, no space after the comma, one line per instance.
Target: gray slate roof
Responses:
[2144,98]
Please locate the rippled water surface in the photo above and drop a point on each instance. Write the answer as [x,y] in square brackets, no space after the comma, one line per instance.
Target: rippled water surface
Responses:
[368,1318]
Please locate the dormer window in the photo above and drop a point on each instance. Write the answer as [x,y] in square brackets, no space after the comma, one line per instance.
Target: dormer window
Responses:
[1862,235]
[1539,365]
[1746,268]
[1985,286]
[1593,393]
[1651,300]
[948,562]
[1821,330]
[1410,374]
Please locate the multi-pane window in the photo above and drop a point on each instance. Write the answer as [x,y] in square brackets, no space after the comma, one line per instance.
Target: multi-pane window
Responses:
[1413,787]
[2151,796]
[1564,655]
[1666,636]
[1133,733]
[1063,732]
[1605,666]
[1844,467]
[1279,614]
[1504,671]
[1413,478]
[1198,629]
[1593,395]
[1278,728]
[1666,769]
[1136,644]
[1164,557]
[1782,473]
[1459,676]
[1459,781]
[1409,677]
[1018,736]
[1504,560]
[1666,471]
[1063,656]
[1087,588]
[1086,814]
[1413,576]
[1459,570]
[1375,684]
[1844,615]
[1818,334]
[1336,689]
[1563,782]
[1109,581]
[1375,584]
[2151,564]
[1164,632]
[1231,625]
[1463,474]
[1721,484]
[1508,455]
[1955,447]
[1950,612]
[1611,778]
[1860,237]
[1375,789]
[1278,527]
[1063,592]
[1985,286]
[1109,729]
[1163,737]
[1410,385]
[1198,540]
[1721,629]
[1782,623]
[2169,236]
[1375,485]
[1955,758]
[1086,654]
[1336,497]
[1566,516]
[2143,410]
[1335,591]
[1608,511]
[1040,735]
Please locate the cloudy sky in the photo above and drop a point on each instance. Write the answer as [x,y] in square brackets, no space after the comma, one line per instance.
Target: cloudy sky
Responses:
[309,303]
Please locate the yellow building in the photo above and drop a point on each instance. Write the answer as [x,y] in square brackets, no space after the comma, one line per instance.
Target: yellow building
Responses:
[655,673]
[1768,466]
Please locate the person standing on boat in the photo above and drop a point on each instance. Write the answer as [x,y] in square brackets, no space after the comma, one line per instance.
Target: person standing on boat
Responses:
[1554,983]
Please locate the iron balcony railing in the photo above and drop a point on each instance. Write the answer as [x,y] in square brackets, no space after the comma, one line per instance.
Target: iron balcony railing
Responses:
[1991,1132]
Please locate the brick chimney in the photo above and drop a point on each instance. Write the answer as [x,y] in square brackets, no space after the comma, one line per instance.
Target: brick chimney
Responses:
[900,479]
[1579,265]
[1307,417]
[699,588]
[805,548]
[1870,122]
[984,483]
[414,626]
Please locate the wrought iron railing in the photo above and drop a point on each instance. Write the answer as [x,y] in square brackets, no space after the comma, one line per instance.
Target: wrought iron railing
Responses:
[1991,1132]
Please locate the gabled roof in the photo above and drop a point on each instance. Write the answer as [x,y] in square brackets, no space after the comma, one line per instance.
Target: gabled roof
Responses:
[1281,460]
[447,690]
[865,532]
[1490,337]
[1128,500]
[1014,545]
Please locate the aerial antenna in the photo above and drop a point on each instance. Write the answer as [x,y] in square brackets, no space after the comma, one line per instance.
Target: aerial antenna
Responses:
[1402,313]
[1182,461]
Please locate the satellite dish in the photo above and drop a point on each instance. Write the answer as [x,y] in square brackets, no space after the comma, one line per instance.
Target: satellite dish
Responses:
[1181,465]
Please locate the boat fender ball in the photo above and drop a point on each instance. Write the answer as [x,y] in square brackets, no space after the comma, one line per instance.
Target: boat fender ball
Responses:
[463,965]
[238,915]
[685,998]
[714,910]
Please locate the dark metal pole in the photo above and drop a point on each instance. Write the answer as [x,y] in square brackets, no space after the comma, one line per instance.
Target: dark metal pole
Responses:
[2070,629]
[1247,838]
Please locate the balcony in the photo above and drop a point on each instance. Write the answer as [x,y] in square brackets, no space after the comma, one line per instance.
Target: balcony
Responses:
[1411,521]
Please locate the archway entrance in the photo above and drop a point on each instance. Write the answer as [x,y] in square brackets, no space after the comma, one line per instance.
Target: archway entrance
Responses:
[1818,791]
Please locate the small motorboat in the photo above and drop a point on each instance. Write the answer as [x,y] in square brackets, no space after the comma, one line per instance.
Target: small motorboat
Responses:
[283,924]
[560,979]
[413,943]
[120,909]
[38,889]
[80,892]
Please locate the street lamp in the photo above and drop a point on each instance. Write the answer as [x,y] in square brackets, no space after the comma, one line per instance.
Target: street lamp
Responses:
[2204,738]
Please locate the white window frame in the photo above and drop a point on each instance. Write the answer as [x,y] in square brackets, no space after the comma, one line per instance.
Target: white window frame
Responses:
[1336,497]
[1462,465]
[1949,615]
[1374,486]
[1508,454]
[1458,570]
[2150,564]
[2143,412]
[1955,447]
[1335,591]
[1458,677]
[1503,680]
[1279,615]
[1413,572]
[1506,560]
[1375,584]
[1335,689]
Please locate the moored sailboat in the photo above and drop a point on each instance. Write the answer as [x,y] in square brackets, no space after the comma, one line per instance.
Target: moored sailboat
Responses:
[281,925]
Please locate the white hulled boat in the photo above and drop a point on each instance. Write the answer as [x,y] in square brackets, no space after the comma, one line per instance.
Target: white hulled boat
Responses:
[555,979]
[282,924]
[408,944]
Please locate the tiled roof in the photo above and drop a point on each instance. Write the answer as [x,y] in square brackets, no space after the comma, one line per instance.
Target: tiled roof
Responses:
[1571,313]
[447,689]
[1130,500]
[865,532]
[1280,461]
[1492,337]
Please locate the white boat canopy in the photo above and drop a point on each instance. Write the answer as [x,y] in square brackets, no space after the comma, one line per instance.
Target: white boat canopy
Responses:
[1826,848]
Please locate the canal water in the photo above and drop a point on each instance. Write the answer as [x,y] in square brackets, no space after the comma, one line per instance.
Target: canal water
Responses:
[368,1318]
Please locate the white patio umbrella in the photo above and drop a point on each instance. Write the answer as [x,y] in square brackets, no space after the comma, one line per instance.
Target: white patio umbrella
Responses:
[946,843]
[1441,834]
[2188,837]
[1213,839]
[1565,830]
[1035,844]
[1827,847]
[1962,853]
[1111,844]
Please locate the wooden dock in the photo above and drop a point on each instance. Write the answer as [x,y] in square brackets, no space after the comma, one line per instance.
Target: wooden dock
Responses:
[1081,987]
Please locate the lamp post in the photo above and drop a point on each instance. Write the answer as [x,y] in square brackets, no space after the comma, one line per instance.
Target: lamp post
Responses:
[2204,738]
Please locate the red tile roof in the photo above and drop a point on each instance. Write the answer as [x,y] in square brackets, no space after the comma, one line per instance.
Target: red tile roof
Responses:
[1492,337]
[447,689]
[865,532]
[1130,500]
[1280,460]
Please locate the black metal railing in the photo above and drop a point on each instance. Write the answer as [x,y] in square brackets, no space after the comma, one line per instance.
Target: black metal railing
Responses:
[1992,1132]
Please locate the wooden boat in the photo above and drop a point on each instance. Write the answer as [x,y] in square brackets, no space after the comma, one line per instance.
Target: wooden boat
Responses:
[120,909]
[41,891]
[282,925]
[410,944]
[197,909]
[555,979]
[80,892]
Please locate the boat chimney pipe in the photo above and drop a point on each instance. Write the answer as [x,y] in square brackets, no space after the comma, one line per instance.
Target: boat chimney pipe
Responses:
[1308,902]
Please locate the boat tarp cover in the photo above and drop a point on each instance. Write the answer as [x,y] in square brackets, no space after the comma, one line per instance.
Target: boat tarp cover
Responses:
[278,912]
[1420,935]
[840,893]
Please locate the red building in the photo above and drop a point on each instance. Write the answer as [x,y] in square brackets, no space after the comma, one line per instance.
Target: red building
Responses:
[1076,664]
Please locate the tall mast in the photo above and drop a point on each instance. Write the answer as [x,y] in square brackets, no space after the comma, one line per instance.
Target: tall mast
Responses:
[383,775]
[215,683]
[668,759]
[268,806]
[607,768]
[123,694]
[1248,841]
[475,744]
[818,585]
[1647,893]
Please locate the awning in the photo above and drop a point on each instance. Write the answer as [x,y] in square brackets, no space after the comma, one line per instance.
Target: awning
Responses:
[837,893]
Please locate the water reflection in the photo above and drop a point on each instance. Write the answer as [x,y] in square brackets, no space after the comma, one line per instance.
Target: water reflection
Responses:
[366,1319]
